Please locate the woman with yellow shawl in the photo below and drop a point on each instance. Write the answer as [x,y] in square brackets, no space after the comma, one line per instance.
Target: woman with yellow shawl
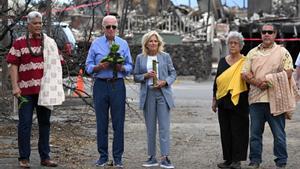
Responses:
[230,99]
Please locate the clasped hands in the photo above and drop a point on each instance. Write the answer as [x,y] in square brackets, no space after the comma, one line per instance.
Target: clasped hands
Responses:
[263,84]
[106,65]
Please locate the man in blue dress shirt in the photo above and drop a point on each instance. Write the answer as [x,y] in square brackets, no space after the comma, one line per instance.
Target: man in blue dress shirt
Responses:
[109,92]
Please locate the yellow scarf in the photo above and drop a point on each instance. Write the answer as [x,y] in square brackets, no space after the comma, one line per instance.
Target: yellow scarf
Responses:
[231,80]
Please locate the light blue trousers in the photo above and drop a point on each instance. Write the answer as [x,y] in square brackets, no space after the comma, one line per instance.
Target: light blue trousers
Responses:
[156,109]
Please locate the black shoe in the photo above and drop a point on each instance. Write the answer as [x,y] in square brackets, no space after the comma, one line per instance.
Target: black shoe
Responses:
[225,164]
[280,166]
[235,165]
[253,165]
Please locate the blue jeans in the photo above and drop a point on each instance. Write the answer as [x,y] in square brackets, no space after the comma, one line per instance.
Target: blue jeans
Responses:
[259,114]
[24,128]
[110,96]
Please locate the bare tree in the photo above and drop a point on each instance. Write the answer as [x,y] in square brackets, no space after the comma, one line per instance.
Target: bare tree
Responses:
[5,40]
[10,16]
[10,23]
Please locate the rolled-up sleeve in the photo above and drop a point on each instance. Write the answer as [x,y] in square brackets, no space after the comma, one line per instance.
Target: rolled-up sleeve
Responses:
[128,65]
[90,60]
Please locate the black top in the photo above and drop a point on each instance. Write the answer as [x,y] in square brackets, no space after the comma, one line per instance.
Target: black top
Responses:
[225,102]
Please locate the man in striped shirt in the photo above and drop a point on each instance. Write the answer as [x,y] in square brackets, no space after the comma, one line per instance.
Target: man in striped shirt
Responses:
[26,64]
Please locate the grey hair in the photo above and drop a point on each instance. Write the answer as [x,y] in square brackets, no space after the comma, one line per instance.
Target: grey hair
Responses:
[146,39]
[107,17]
[32,15]
[237,35]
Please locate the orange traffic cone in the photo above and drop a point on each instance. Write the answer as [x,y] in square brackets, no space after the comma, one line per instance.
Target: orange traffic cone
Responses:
[79,84]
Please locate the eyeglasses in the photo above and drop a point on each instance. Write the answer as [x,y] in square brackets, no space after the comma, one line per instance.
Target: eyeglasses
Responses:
[111,26]
[267,31]
[233,43]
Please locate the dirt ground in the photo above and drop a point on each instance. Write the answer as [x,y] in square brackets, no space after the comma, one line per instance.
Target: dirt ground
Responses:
[194,135]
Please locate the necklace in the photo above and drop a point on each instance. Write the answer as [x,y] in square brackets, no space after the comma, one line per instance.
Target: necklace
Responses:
[29,46]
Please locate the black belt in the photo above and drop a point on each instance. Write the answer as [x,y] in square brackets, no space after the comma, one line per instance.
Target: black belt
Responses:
[109,79]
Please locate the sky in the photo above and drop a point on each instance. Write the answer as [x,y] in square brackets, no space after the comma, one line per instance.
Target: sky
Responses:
[194,2]
[228,2]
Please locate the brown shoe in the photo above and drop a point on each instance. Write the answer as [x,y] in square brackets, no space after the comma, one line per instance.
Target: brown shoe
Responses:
[24,164]
[48,163]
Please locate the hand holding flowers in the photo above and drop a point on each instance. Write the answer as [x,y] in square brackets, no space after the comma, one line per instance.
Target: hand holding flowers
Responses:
[113,59]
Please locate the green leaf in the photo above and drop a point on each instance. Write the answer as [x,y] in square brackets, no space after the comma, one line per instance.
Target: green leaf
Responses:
[114,48]
[23,100]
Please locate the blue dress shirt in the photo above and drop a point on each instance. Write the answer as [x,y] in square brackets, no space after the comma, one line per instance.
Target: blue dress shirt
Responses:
[99,49]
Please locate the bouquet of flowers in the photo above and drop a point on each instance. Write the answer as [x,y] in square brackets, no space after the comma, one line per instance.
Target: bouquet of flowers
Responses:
[114,58]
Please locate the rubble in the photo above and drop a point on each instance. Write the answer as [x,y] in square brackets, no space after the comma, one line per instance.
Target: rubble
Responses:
[201,24]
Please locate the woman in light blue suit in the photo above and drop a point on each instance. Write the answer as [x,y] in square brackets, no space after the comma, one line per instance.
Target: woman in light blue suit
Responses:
[156,100]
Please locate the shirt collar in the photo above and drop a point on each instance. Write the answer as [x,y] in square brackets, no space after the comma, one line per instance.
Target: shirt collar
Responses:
[260,47]
[106,40]
[31,37]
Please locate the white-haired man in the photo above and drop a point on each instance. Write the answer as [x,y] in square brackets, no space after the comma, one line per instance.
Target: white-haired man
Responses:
[36,77]
[109,90]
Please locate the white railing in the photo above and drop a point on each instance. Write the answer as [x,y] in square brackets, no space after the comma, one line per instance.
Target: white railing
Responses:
[191,25]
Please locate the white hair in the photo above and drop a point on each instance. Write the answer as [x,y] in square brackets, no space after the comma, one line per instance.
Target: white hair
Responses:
[109,17]
[32,15]
[237,35]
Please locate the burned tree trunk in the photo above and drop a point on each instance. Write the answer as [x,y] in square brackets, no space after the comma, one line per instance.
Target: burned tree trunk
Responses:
[5,42]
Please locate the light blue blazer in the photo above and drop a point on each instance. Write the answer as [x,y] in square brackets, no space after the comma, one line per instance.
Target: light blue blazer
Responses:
[166,71]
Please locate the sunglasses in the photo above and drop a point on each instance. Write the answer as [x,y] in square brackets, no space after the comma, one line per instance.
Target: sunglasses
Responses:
[267,31]
[111,26]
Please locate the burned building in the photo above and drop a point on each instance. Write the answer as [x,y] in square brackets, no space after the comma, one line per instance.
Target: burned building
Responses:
[288,34]
[282,14]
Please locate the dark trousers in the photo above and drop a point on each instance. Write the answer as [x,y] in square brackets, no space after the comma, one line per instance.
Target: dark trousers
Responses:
[110,95]
[234,128]
[24,128]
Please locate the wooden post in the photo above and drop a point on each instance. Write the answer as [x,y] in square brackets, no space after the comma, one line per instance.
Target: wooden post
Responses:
[180,25]
[169,22]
